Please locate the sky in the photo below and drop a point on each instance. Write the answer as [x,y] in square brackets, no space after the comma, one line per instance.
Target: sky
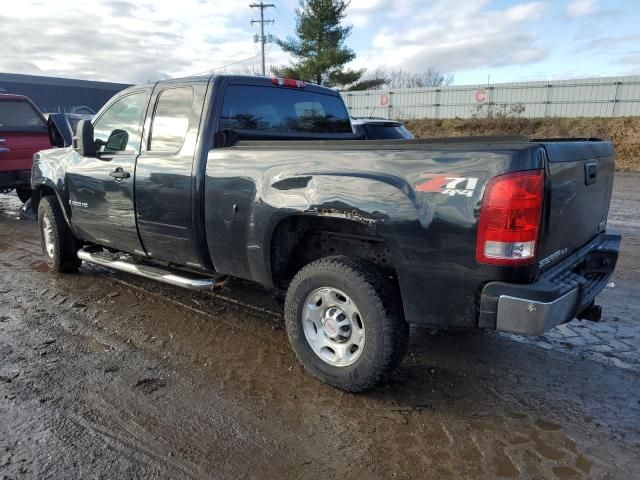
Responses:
[479,41]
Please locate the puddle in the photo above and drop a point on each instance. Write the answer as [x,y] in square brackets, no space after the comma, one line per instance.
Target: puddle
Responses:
[519,440]
[149,385]
[547,451]
[92,344]
[565,472]
[10,204]
[502,464]
[515,415]
[583,464]
[547,426]
[39,266]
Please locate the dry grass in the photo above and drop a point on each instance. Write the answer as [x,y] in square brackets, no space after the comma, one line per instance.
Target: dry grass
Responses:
[624,132]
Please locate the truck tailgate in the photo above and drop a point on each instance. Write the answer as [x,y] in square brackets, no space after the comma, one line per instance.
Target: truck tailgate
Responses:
[580,185]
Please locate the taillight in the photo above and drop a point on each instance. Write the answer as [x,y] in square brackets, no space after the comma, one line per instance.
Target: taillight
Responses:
[510,218]
[288,82]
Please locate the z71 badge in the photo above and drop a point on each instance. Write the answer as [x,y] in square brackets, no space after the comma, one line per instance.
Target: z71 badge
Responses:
[447,184]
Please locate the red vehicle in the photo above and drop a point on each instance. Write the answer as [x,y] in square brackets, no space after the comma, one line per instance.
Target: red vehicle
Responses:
[23,132]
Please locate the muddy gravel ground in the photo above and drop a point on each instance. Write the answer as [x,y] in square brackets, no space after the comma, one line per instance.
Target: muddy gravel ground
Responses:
[105,375]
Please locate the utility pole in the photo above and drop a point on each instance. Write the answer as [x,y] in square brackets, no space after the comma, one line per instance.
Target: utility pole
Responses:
[262,22]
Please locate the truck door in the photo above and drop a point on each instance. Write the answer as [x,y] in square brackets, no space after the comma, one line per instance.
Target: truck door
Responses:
[22,133]
[101,187]
[164,177]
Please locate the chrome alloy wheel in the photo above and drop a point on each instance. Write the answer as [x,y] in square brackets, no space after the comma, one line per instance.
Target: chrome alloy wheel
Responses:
[333,326]
[47,235]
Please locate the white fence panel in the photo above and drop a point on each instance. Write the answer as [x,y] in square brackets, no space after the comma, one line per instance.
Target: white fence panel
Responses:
[589,97]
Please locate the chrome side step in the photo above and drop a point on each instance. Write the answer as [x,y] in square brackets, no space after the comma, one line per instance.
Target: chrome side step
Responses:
[146,271]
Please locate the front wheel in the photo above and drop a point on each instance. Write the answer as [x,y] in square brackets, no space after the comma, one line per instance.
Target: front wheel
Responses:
[58,244]
[345,323]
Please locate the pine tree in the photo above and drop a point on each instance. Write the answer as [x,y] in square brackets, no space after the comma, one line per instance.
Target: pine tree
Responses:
[319,49]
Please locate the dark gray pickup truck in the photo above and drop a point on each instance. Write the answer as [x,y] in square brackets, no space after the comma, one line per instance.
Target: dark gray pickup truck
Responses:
[185,180]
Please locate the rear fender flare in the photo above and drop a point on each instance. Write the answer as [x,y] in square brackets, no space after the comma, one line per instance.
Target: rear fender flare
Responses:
[374,201]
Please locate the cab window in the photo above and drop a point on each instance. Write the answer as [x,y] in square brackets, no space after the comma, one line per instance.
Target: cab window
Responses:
[283,110]
[171,120]
[19,114]
[118,129]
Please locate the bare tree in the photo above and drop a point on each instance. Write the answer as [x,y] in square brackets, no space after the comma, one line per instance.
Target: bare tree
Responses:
[248,67]
[403,79]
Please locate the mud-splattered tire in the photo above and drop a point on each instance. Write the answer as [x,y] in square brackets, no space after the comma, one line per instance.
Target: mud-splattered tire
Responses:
[58,244]
[345,322]
[24,193]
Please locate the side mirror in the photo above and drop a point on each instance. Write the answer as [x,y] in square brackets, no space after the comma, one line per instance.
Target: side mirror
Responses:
[83,139]
[117,141]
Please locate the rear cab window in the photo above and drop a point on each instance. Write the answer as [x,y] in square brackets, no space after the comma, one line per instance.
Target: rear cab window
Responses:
[19,115]
[282,110]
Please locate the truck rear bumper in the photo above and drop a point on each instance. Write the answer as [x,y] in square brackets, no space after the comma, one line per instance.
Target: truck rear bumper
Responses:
[17,178]
[559,294]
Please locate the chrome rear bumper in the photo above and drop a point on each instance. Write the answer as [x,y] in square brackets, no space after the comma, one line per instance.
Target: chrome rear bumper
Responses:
[530,317]
[557,296]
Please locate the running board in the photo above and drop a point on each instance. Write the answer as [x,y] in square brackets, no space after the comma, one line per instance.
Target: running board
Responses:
[146,271]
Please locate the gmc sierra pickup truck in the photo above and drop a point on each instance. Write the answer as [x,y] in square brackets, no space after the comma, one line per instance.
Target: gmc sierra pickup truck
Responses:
[183,181]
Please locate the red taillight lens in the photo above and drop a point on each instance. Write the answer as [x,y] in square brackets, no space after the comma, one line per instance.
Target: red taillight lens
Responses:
[288,82]
[510,218]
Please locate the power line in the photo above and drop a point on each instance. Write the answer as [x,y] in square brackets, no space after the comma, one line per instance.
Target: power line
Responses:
[262,22]
[224,66]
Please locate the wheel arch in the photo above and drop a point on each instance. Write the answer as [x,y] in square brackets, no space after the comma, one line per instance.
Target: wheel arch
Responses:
[297,240]
[44,190]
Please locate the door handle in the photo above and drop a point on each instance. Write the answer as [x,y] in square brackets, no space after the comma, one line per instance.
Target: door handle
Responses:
[119,174]
[4,149]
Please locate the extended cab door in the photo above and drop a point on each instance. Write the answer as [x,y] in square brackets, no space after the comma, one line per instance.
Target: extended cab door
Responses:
[101,187]
[164,174]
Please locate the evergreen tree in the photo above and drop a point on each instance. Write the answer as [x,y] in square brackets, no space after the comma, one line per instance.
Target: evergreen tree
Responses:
[319,49]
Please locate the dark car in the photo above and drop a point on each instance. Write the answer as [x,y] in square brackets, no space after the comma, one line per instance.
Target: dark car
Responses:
[380,129]
[182,181]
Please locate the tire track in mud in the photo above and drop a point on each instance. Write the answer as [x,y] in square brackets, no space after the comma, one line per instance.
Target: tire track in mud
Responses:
[189,444]
[126,437]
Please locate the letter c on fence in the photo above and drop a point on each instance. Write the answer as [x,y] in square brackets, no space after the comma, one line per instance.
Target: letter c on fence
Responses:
[480,96]
[384,100]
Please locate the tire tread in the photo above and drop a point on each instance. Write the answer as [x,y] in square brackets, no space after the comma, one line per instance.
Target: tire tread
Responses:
[384,296]
[66,254]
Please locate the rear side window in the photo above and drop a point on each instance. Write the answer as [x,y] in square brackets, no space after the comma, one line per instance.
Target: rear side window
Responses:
[171,119]
[19,114]
[285,110]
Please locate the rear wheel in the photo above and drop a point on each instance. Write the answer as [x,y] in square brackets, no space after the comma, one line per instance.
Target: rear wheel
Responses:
[345,323]
[24,193]
[58,244]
